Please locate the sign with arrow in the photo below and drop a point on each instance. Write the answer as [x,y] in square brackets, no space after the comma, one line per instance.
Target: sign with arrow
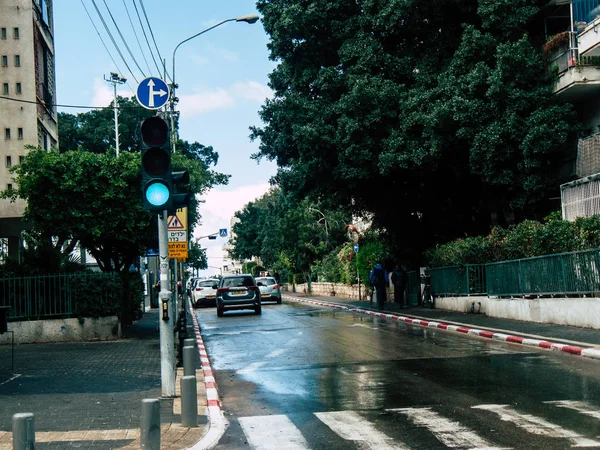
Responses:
[152,93]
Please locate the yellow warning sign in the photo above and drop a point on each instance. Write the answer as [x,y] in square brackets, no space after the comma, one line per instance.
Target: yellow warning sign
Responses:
[178,250]
[179,220]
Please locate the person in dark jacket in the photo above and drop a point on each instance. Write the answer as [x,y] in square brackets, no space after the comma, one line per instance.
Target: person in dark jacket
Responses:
[399,279]
[379,279]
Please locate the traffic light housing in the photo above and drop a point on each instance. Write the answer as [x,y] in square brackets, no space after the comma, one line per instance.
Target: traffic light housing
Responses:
[179,198]
[157,184]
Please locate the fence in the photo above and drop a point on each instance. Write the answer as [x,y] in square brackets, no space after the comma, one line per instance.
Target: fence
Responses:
[469,279]
[564,273]
[49,295]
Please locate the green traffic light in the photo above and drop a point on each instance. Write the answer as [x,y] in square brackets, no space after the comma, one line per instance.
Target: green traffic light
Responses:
[157,193]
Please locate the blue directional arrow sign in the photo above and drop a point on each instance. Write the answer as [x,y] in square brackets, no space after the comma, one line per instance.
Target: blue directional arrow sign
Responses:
[223,232]
[355,248]
[152,93]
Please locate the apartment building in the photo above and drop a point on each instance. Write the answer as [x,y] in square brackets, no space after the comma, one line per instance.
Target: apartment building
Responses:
[27,97]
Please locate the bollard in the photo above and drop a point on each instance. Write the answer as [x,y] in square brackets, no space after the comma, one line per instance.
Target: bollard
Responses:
[23,431]
[150,424]
[189,402]
[189,361]
[189,342]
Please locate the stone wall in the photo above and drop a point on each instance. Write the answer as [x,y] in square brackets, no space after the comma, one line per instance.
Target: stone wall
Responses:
[63,330]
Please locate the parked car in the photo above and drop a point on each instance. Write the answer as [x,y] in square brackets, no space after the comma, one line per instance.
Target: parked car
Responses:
[238,292]
[269,289]
[203,292]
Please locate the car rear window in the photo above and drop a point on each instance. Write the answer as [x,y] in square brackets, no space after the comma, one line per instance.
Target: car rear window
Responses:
[207,283]
[238,281]
[267,281]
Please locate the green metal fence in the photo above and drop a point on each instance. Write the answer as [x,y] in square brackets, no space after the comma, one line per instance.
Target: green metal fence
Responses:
[469,279]
[413,288]
[47,295]
[564,273]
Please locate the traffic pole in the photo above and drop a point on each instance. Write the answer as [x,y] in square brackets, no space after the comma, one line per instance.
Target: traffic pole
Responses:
[167,337]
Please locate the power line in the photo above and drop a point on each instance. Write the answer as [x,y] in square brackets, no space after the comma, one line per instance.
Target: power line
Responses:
[137,39]
[113,40]
[37,102]
[152,34]
[102,40]
[146,37]
[123,39]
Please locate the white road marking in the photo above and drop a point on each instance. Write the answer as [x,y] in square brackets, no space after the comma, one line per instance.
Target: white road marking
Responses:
[272,432]
[538,425]
[581,407]
[451,434]
[353,427]
[17,375]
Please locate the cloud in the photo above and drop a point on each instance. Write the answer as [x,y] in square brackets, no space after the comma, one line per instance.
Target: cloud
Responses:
[103,93]
[220,204]
[204,101]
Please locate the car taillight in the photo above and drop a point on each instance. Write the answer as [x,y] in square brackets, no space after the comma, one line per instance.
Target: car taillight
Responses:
[198,288]
[276,287]
[220,291]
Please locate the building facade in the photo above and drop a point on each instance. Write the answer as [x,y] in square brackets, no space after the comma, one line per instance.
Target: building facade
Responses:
[28,114]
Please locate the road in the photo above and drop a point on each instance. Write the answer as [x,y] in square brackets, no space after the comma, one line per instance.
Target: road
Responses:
[305,377]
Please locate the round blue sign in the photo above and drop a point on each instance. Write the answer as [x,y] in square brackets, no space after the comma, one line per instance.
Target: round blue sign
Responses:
[152,93]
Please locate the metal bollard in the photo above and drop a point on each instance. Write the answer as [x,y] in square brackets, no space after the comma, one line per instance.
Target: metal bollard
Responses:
[189,361]
[189,342]
[189,402]
[150,424]
[23,428]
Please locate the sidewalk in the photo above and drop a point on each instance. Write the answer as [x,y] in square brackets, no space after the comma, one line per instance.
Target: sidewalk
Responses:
[88,395]
[582,337]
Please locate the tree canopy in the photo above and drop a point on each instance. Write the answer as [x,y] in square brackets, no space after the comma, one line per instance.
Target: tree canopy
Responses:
[437,117]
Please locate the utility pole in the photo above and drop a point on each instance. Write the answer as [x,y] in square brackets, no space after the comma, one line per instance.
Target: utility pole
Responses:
[115,79]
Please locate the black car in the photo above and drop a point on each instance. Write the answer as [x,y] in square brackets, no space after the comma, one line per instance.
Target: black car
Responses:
[238,292]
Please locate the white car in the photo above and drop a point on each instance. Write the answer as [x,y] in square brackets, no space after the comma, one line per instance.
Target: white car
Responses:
[269,289]
[203,292]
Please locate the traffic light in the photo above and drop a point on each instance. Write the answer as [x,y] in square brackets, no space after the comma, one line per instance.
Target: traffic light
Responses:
[157,180]
[179,198]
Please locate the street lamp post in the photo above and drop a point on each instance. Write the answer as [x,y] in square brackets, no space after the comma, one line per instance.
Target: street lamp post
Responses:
[251,18]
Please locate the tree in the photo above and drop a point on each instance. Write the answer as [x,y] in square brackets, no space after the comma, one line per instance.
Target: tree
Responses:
[436,117]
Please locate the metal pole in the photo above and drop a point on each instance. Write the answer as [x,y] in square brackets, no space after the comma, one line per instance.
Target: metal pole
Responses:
[189,402]
[23,429]
[116,108]
[167,337]
[189,361]
[150,424]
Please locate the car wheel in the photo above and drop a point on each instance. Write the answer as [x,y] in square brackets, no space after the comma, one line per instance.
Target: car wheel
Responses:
[219,312]
[279,301]
[258,309]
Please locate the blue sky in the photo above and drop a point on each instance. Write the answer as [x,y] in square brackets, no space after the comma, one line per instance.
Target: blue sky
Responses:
[222,77]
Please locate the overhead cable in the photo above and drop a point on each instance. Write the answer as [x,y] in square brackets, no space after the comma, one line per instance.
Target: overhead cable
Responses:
[146,37]
[102,40]
[113,41]
[137,39]
[152,34]
[123,39]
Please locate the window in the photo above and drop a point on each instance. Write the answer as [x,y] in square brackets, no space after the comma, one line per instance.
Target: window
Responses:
[9,161]
[7,133]
[3,33]
[17,60]
[20,133]
[21,159]
[19,89]
[4,61]
[16,32]
[9,186]
[5,88]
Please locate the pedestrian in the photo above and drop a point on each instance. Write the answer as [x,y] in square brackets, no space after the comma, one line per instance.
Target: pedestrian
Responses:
[399,278]
[379,279]
[276,276]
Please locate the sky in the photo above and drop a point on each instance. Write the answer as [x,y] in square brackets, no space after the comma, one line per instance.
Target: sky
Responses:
[222,76]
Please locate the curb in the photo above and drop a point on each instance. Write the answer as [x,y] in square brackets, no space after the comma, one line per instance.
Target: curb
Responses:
[216,420]
[565,348]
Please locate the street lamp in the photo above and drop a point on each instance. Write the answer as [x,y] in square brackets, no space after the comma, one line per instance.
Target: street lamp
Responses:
[251,18]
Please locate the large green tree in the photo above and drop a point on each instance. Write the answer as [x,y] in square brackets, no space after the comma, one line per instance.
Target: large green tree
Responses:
[437,117]
[287,233]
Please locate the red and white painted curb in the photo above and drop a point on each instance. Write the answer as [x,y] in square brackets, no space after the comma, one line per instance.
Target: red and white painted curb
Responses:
[573,350]
[216,420]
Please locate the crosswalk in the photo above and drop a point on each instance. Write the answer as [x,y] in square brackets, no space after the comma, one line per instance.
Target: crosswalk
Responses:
[428,427]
